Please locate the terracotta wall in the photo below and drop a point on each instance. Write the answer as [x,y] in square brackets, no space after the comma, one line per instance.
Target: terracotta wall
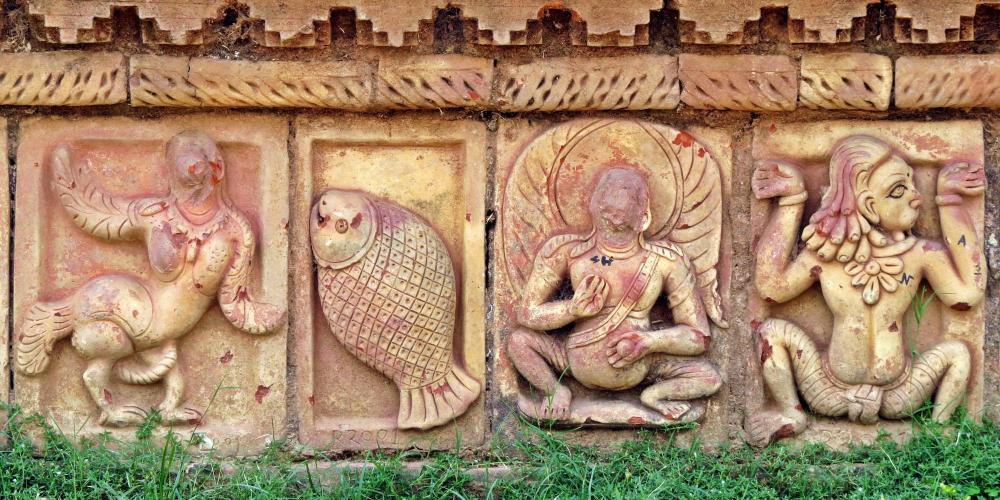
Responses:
[436,123]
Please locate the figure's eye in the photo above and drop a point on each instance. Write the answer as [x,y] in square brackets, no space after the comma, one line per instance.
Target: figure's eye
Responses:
[341,225]
[898,191]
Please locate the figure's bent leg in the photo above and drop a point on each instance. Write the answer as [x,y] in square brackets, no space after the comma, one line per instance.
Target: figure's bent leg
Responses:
[945,367]
[680,380]
[102,343]
[790,360]
[543,362]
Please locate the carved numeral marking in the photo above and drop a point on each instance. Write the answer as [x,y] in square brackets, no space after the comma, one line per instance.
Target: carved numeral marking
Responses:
[905,279]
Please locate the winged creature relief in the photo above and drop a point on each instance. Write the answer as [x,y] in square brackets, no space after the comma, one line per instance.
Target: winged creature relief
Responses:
[200,250]
[860,248]
[626,213]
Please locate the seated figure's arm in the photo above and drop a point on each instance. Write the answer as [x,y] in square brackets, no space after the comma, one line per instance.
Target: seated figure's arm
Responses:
[96,212]
[955,268]
[690,334]
[547,274]
[235,298]
[777,275]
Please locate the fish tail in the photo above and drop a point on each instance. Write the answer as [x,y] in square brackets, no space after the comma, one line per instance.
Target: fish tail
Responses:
[438,403]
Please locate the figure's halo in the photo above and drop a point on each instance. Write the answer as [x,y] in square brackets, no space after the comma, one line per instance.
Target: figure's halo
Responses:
[551,180]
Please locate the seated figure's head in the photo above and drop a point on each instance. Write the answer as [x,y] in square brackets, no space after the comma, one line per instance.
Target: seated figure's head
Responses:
[195,165]
[620,201]
[871,192]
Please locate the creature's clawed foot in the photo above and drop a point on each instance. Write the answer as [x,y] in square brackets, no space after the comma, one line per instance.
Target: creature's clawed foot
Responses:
[551,407]
[180,416]
[122,416]
[767,426]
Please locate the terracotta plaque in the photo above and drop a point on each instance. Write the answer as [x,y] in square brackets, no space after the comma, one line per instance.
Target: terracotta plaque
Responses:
[611,270]
[388,269]
[869,277]
[153,275]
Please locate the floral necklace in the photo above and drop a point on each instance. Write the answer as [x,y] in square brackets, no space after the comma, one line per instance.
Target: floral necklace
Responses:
[882,271]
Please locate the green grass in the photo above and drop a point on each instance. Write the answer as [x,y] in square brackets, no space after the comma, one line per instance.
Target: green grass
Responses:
[960,461]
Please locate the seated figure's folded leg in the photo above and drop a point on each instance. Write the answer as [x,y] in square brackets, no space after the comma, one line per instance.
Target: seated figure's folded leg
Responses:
[543,362]
[944,367]
[679,380]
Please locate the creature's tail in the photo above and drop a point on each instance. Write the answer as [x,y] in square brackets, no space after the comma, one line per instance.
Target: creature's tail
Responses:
[137,369]
[438,403]
[45,324]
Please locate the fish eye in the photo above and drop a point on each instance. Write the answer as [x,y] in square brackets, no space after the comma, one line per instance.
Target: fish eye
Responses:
[341,225]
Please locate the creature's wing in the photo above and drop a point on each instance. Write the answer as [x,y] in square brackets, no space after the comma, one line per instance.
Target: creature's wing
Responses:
[698,231]
[105,216]
[530,214]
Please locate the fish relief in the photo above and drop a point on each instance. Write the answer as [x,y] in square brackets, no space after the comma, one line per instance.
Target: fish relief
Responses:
[387,287]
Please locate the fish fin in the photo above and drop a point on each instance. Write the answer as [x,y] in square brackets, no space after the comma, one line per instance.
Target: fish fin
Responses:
[438,403]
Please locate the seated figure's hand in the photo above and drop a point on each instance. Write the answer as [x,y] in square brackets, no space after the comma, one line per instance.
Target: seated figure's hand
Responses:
[627,348]
[589,297]
[962,179]
[773,179]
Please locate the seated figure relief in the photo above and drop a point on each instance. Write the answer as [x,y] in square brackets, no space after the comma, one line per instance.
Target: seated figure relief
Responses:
[625,229]
[860,248]
[200,250]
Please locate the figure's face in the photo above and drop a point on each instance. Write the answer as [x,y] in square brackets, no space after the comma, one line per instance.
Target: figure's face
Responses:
[619,204]
[195,176]
[896,199]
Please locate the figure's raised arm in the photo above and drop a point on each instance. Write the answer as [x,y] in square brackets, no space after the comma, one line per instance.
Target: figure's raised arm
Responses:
[235,297]
[777,275]
[547,274]
[105,216]
[955,268]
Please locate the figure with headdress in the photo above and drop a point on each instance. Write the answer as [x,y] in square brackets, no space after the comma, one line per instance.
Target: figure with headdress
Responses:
[200,250]
[860,248]
[618,265]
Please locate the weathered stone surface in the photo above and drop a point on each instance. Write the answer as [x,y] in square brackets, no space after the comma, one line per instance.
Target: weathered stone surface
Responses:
[160,308]
[835,322]
[5,256]
[589,356]
[810,21]
[426,176]
[182,81]
[608,23]
[433,82]
[65,78]
[965,81]
[744,82]
[89,21]
[931,21]
[559,84]
[845,81]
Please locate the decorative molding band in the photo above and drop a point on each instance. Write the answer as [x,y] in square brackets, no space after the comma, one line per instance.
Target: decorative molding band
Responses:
[845,81]
[433,82]
[934,21]
[189,82]
[741,83]
[967,81]
[65,78]
[307,23]
[563,84]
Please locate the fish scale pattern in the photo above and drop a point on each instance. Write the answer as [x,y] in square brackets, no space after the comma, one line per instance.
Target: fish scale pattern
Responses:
[395,308]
